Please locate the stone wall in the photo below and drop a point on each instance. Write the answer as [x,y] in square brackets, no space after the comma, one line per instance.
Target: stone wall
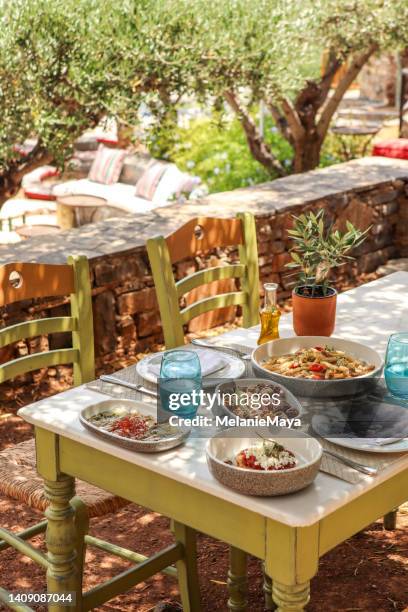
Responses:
[369,192]
[377,79]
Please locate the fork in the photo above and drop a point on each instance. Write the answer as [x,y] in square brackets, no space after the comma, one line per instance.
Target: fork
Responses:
[364,469]
[218,347]
[359,467]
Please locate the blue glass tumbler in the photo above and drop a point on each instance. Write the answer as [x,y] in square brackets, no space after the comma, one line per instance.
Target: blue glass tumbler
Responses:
[180,383]
[396,365]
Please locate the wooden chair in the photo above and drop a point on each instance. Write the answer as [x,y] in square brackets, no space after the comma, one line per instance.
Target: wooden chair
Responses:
[200,235]
[18,476]
[204,234]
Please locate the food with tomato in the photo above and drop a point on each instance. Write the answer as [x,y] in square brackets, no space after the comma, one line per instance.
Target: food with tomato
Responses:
[318,363]
[266,456]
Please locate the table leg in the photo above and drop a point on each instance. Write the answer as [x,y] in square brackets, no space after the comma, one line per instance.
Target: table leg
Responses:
[390,520]
[292,598]
[60,539]
[187,568]
[65,216]
[267,587]
[237,580]
[291,560]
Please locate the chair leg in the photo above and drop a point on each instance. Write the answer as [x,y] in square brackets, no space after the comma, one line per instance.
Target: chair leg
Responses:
[237,580]
[81,530]
[267,587]
[187,568]
[390,520]
[292,598]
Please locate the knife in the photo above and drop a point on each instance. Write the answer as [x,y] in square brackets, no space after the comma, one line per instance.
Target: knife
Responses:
[124,383]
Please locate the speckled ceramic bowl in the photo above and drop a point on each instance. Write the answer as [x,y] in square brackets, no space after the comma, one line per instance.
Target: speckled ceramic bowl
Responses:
[307,387]
[228,443]
[289,405]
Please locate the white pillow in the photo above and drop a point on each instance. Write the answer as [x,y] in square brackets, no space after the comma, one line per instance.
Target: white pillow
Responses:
[171,183]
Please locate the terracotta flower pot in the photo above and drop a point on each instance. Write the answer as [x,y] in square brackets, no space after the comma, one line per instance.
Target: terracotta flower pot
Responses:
[314,316]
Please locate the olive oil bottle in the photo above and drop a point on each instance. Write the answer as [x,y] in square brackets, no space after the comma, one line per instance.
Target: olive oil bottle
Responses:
[270,314]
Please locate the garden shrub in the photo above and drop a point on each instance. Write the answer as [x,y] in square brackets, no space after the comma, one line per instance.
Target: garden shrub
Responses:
[217,151]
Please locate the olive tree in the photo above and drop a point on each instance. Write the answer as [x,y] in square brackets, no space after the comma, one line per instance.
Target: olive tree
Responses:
[270,51]
[46,50]
[65,64]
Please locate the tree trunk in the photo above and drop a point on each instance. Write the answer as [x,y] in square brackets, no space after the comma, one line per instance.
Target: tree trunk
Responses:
[10,179]
[261,153]
[12,175]
[306,153]
[305,122]
[257,145]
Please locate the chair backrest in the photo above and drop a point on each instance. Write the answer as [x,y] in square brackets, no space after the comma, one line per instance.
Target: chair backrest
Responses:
[24,281]
[203,234]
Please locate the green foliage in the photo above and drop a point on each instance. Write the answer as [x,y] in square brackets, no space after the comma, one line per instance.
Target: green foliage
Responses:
[67,63]
[216,150]
[319,248]
[272,46]
[269,50]
[53,73]
[339,148]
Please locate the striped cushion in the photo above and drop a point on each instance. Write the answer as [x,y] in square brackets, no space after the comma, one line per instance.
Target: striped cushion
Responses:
[107,165]
[148,182]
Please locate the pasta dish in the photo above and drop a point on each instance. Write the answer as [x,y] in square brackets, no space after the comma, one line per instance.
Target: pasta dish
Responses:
[318,363]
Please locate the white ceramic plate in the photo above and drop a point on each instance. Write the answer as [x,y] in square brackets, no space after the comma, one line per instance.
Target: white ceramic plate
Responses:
[317,388]
[321,426]
[234,368]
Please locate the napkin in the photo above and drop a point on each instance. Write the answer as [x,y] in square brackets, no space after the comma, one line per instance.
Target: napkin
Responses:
[334,467]
[210,362]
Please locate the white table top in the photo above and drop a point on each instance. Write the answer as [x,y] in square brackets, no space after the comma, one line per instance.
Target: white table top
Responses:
[368,314]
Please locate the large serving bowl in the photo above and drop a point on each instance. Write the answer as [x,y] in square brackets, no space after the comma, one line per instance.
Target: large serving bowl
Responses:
[318,388]
[228,443]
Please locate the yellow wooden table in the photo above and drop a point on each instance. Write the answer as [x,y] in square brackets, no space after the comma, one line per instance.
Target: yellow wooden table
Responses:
[288,533]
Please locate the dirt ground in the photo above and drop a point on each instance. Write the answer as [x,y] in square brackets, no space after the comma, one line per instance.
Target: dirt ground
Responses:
[368,573]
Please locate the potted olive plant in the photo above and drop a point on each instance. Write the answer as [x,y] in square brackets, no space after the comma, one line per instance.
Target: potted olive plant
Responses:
[317,249]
